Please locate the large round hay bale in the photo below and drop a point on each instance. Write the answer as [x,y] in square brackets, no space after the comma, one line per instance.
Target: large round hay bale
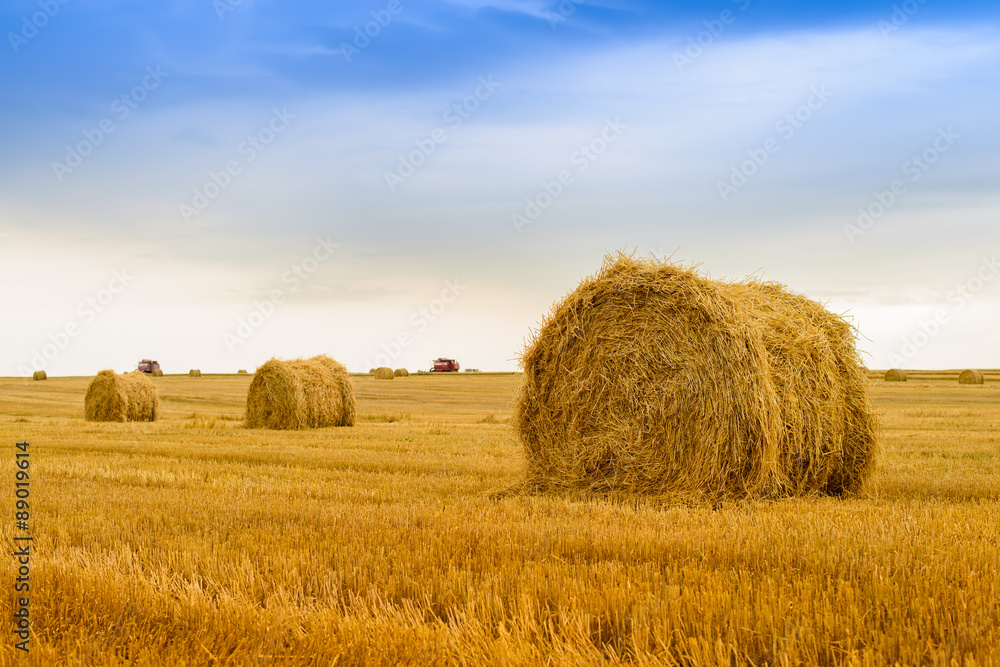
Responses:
[129,397]
[157,373]
[302,393]
[40,375]
[383,373]
[649,378]
[401,373]
[895,375]
[194,372]
[970,376]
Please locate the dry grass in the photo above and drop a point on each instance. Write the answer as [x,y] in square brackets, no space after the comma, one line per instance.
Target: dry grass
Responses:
[190,542]
[302,393]
[650,378]
[129,397]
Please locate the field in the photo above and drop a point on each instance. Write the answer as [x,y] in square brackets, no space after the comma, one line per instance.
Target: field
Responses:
[194,541]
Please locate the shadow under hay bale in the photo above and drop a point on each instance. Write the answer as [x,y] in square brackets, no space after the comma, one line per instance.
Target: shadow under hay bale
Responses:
[970,376]
[651,379]
[401,373]
[895,375]
[40,375]
[194,372]
[157,373]
[383,373]
[129,397]
[302,393]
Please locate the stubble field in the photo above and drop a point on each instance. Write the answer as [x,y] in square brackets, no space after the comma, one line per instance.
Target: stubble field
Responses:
[194,541]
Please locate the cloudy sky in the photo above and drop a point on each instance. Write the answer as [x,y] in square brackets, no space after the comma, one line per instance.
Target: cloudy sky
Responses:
[212,183]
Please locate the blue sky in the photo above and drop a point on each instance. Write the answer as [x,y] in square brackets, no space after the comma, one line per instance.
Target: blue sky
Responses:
[175,176]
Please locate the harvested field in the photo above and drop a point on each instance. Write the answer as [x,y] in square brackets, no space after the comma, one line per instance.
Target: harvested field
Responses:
[191,537]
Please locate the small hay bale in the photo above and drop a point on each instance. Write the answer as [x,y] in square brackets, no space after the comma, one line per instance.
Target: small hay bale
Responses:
[194,372]
[383,373]
[371,371]
[401,373]
[970,376]
[40,375]
[157,373]
[302,393]
[649,378]
[129,397]
[242,371]
[895,375]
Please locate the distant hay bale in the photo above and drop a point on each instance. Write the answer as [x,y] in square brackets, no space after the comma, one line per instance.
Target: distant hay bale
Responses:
[40,375]
[302,393]
[649,378]
[970,377]
[194,372]
[157,373]
[371,370]
[242,371]
[129,397]
[401,373]
[383,373]
[895,375]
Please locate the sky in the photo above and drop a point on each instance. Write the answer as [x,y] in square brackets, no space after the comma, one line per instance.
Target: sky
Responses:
[212,183]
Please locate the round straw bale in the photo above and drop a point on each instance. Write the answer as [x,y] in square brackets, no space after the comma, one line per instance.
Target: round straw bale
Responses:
[649,378]
[371,370]
[970,376]
[157,373]
[383,373]
[895,375]
[129,397]
[195,373]
[401,373]
[242,371]
[302,393]
[40,375]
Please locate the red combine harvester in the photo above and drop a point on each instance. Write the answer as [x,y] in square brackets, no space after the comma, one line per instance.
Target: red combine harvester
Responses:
[148,365]
[443,365]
